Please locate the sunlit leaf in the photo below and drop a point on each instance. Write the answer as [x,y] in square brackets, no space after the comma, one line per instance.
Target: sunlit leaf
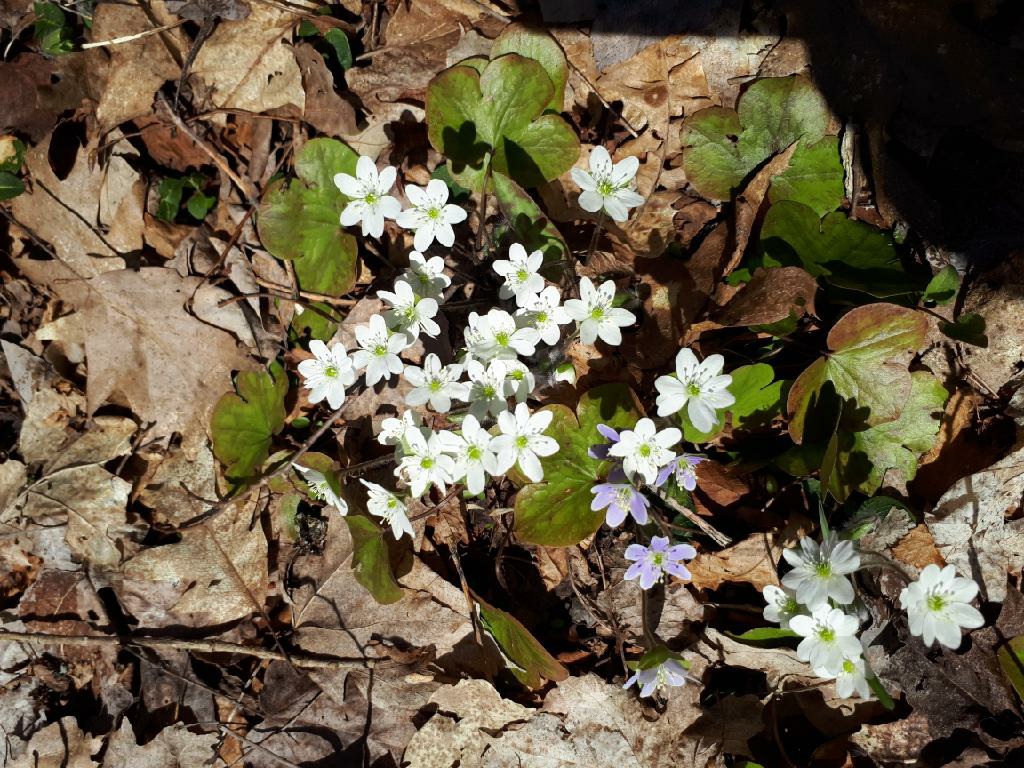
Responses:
[526,657]
[243,424]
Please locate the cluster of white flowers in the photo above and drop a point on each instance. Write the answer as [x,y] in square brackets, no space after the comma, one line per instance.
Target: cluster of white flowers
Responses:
[493,376]
[816,599]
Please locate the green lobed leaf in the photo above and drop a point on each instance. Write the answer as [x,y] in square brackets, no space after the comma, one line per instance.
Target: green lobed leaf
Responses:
[169,198]
[845,252]
[51,29]
[199,205]
[371,561]
[721,147]
[529,660]
[814,177]
[969,328]
[556,512]
[860,365]
[539,45]
[943,287]
[338,41]
[527,221]
[243,424]
[864,457]
[10,185]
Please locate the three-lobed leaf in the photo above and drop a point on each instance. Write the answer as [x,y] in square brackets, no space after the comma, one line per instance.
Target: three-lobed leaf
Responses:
[243,424]
[540,46]
[861,366]
[526,657]
[814,177]
[371,559]
[556,512]
[721,147]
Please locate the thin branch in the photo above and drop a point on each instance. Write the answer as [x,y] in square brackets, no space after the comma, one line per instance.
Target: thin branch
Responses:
[709,530]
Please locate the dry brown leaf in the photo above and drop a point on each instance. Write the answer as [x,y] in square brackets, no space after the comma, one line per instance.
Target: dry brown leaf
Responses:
[174,485]
[917,549]
[720,484]
[770,296]
[325,110]
[60,745]
[217,572]
[135,70]
[249,64]
[751,560]
[134,324]
[171,748]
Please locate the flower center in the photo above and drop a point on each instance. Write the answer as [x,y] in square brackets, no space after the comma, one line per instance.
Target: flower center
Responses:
[624,496]
[522,275]
[644,450]
[826,634]
[936,602]
[392,503]
[849,667]
[426,462]
[502,338]
[597,313]
[488,391]
[823,569]
[693,389]
[542,318]
[522,442]
[658,558]
[435,385]
[380,350]
[605,187]
[433,214]
[331,372]
[371,198]
[473,453]
[791,605]
[517,375]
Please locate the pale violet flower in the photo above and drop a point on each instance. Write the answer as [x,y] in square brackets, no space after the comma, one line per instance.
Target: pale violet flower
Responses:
[522,279]
[471,449]
[487,387]
[431,215]
[394,431]
[608,186]
[383,503]
[850,677]
[379,350]
[544,311]
[496,336]
[409,313]
[600,450]
[645,449]
[819,572]
[435,383]
[938,605]
[519,380]
[700,386]
[669,672]
[426,276]
[369,201]
[781,605]
[829,638]
[328,374]
[653,562]
[425,463]
[683,470]
[597,317]
[522,441]
[619,500]
[320,489]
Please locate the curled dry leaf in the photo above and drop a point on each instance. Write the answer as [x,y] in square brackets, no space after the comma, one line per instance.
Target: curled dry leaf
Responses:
[752,561]
[770,296]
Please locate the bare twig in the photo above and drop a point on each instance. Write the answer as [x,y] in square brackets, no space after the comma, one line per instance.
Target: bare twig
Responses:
[709,530]
[131,38]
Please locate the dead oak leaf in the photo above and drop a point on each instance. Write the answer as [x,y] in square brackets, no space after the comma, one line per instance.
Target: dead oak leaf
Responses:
[751,561]
[142,344]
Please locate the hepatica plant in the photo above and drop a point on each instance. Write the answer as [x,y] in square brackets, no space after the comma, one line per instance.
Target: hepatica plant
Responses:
[471,378]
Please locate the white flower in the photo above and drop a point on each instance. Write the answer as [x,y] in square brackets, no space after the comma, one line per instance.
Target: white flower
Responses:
[426,276]
[608,186]
[566,372]
[701,386]
[431,215]
[379,350]
[829,638]
[383,503]
[938,605]
[544,311]
[596,315]
[435,383]
[409,312]
[519,380]
[669,672]
[522,441]
[367,191]
[782,605]
[819,573]
[496,336]
[487,387]
[328,374]
[320,489]
[393,431]
[850,676]
[644,449]
[474,459]
[520,273]
[425,463]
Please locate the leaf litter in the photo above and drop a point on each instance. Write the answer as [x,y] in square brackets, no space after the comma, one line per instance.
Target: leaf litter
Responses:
[174,593]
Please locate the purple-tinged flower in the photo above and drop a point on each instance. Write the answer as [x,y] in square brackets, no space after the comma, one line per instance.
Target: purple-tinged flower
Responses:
[653,562]
[683,468]
[600,451]
[669,672]
[621,499]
